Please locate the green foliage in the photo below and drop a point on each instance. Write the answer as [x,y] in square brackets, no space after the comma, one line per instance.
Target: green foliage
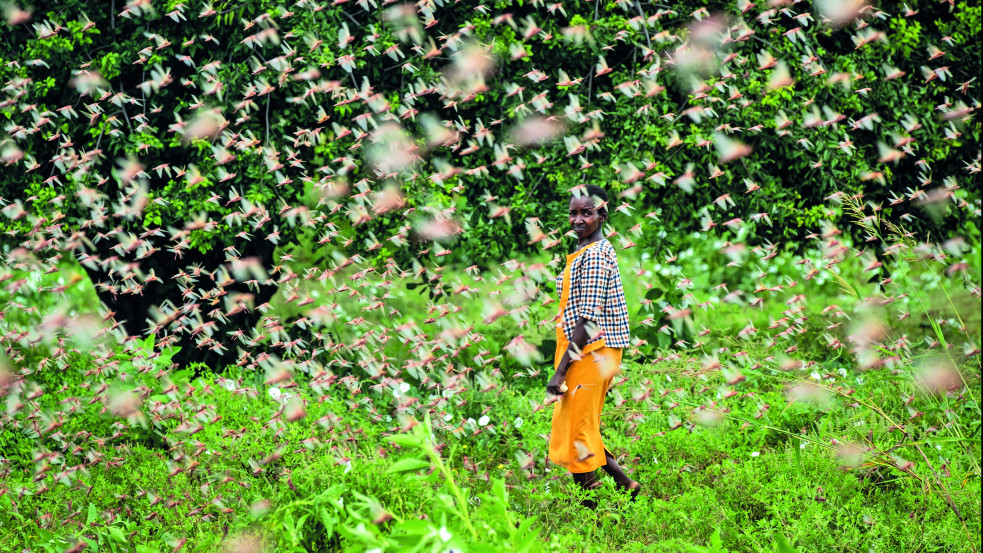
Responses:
[635,128]
[771,471]
[280,276]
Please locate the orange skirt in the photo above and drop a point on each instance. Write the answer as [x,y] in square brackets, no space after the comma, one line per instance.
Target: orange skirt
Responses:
[575,436]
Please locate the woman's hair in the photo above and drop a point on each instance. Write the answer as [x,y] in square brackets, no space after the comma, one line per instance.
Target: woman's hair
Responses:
[598,192]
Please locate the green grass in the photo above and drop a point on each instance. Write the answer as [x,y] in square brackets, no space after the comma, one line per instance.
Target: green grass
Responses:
[811,448]
[742,484]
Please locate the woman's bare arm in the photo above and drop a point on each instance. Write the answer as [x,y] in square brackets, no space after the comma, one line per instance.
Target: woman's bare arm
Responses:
[579,338]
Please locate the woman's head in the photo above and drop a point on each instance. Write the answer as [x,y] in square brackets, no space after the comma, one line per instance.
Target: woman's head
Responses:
[588,211]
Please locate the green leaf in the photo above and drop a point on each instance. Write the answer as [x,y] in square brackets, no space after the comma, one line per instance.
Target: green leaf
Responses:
[797,449]
[782,545]
[654,294]
[117,534]
[182,375]
[405,440]
[407,465]
[716,544]
[943,439]
[148,345]
[288,522]
[329,520]
[92,515]
[300,521]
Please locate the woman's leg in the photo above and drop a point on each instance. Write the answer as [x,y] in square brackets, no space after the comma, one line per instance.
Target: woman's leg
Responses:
[621,479]
[614,469]
[587,481]
[610,369]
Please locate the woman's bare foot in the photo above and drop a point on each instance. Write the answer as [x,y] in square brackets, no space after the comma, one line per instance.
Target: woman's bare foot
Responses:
[634,487]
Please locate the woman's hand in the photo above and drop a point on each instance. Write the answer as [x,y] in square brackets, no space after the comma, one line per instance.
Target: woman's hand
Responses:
[556,385]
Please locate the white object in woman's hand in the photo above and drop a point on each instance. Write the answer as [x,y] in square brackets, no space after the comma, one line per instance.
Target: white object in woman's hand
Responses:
[557,385]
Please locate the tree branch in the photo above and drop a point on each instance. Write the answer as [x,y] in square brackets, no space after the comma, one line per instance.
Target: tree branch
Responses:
[101,132]
[756,37]
[352,19]
[590,79]
[126,116]
[645,26]
[267,142]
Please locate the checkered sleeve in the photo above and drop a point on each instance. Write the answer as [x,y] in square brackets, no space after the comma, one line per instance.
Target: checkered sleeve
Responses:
[593,279]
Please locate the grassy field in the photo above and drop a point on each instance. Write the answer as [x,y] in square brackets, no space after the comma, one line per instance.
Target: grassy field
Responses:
[318,202]
[742,441]
[740,476]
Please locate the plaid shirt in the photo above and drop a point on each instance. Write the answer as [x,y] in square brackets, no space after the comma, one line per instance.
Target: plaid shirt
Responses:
[596,294]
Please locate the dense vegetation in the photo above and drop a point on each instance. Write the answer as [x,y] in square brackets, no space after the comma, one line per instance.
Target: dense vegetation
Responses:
[280,276]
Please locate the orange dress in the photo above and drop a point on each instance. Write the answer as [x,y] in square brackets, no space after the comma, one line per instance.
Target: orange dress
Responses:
[575,435]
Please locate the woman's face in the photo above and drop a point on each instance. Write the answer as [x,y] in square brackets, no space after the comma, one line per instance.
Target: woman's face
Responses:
[584,218]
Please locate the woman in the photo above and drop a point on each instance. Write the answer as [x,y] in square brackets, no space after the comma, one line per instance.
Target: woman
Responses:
[591,331]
